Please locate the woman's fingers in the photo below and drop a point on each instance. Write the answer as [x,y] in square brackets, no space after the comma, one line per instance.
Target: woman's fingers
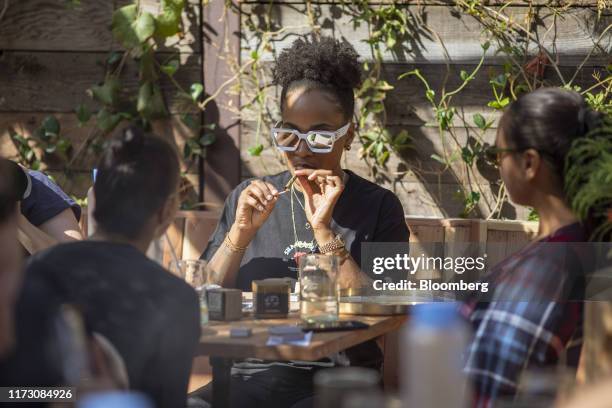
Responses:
[268,189]
[253,202]
[259,190]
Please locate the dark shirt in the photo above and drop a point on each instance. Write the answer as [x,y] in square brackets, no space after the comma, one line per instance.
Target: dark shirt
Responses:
[46,200]
[530,320]
[365,212]
[149,315]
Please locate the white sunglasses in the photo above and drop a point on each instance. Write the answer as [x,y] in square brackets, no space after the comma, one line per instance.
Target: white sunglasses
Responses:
[318,141]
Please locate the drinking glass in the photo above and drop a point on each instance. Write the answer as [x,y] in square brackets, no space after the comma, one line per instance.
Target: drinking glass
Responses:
[318,288]
[194,272]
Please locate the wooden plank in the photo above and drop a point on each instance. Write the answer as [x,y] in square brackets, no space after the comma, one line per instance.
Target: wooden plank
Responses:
[57,82]
[515,3]
[406,104]
[527,227]
[391,362]
[496,247]
[221,169]
[172,129]
[174,248]
[426,234]
[41,25]
[460,33]
[215,340]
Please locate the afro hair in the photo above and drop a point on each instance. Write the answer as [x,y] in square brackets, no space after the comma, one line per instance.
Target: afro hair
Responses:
[325,62]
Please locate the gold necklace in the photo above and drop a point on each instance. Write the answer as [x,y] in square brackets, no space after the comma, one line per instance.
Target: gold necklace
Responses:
[295,236]
[307,225]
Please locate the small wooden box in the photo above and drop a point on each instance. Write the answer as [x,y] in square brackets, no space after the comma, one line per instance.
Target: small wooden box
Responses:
[224,304]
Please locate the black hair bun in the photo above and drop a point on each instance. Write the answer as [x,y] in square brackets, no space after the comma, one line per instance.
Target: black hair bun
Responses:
[128,144]
[325,60]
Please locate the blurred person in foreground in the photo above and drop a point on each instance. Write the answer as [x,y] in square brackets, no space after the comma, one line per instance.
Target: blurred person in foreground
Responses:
[148,315]
[534,316]
[12,189]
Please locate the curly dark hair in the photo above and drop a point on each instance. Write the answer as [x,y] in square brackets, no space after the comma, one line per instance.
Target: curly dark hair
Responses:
[326,64]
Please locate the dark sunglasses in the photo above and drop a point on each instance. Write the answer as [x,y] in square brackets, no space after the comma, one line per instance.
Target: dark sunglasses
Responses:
[493,154]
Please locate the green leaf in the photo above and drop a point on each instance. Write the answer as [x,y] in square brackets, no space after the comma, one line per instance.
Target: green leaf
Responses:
[114,58]
[402,139]
[377,107]
[51,126]
[378,149]
[391,40]
[383,158]
[50,149]
[83,114]
[121,24]
[499,104]
[106,93]
[429,94]
[132,28]
[150,103]
[486,45]
[196,91]
[504,102]
[208,138]
[533,215]
[254,55]
[147,66]
[479,121]
[463,75]
[255,150]
[63,145]
[467,155]
[437,158]
[384,86]
[168,22]
[107,121]
[499,80]
[144,26]
[190,121]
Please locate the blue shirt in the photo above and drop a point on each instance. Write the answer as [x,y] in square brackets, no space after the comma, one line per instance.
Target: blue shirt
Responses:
[46,200]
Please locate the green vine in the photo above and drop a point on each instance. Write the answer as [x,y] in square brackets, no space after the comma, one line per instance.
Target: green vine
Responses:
[391,28]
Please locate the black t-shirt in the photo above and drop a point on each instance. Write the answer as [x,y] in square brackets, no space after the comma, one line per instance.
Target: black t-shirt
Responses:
[149,315]
[46,200]
[365,212]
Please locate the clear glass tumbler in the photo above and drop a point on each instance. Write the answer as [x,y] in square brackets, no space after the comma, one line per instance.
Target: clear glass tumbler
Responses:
[318,288]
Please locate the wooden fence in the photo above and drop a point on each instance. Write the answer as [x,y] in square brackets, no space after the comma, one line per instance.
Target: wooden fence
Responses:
[50,55]
[188,235]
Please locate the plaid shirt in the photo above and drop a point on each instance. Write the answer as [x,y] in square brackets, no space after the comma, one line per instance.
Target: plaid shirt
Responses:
[528,320]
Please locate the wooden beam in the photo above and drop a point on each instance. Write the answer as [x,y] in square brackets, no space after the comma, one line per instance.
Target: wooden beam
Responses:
[221,45]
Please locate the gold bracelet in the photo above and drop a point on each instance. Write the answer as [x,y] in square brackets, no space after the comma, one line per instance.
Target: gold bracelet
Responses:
[231,246]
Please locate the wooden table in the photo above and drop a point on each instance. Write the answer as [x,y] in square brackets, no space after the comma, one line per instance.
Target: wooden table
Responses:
[222,350]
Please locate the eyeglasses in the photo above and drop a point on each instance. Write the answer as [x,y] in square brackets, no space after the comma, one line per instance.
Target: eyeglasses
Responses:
[493,154]
[318,141]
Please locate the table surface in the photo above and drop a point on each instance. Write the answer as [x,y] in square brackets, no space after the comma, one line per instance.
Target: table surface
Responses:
[215,340]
